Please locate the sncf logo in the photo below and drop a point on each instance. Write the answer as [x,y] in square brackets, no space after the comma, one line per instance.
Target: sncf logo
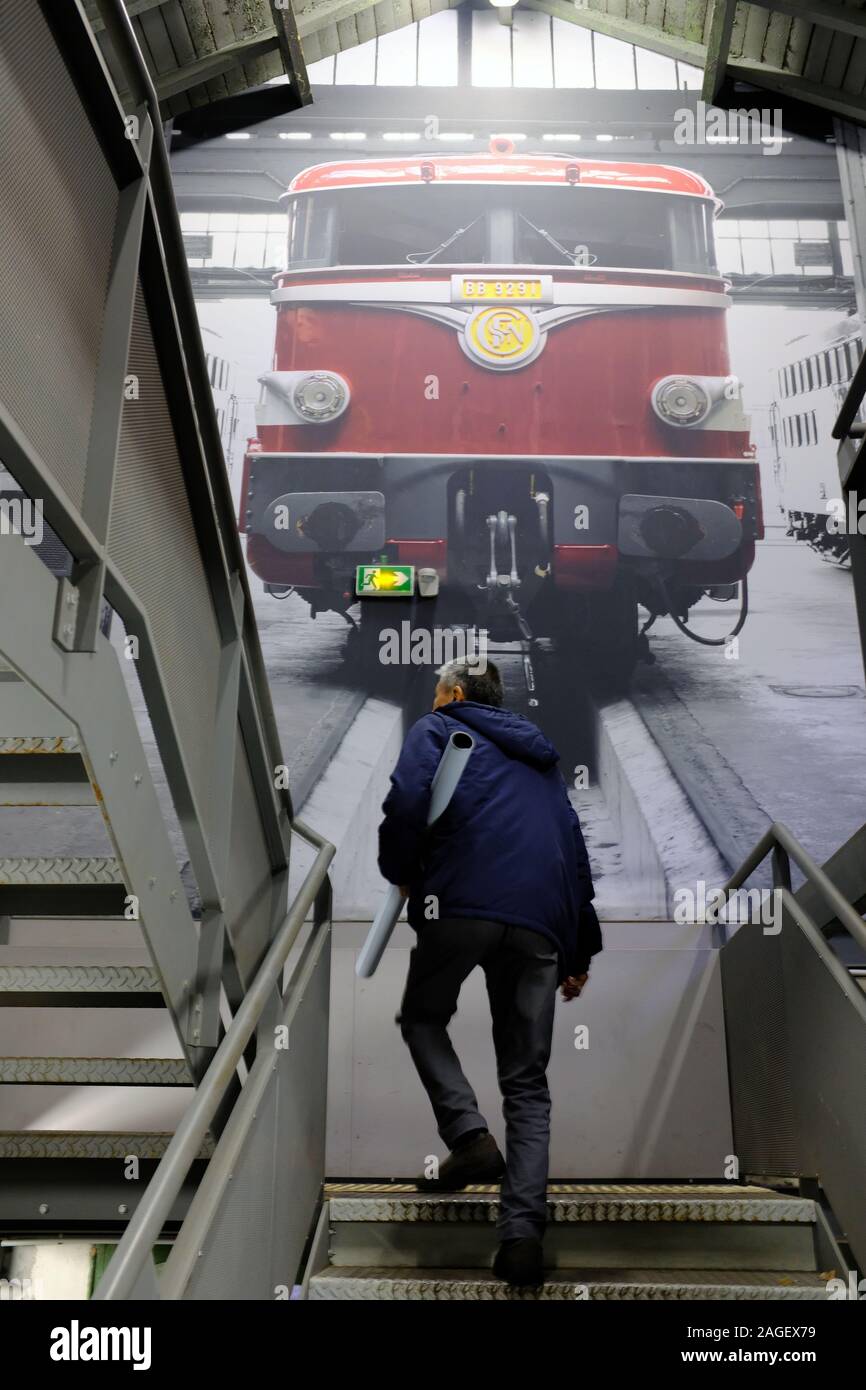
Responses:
[77,1343]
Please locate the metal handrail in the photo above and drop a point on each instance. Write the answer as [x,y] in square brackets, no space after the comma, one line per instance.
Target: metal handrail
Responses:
[120,33]
[784,846]
[142,1234]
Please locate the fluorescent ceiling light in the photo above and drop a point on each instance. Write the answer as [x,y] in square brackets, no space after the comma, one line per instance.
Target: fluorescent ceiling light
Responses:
[238,135]
[295,135]
[348,135]
[401,135]
[456,135]
[565,136]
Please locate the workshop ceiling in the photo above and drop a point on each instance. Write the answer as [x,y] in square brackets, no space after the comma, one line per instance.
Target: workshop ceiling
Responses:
[203,51]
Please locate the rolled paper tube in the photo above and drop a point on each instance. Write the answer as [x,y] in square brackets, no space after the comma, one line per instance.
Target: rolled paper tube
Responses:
[444,784]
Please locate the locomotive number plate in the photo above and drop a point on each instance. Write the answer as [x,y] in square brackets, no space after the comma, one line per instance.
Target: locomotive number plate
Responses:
[535,289]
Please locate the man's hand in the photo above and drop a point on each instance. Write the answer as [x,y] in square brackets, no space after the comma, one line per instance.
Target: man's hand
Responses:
[573,985]
[404,891]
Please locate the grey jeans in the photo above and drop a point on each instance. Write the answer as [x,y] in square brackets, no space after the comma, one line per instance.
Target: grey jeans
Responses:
[520,967]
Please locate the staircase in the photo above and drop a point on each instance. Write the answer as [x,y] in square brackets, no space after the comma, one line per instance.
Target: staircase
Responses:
[603,1241]
[71,956]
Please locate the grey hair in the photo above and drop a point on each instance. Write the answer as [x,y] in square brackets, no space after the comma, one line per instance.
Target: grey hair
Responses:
[484,686]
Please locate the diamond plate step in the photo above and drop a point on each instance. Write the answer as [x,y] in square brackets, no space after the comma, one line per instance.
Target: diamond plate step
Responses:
[38,746]
[60,870]
[122,986]
[94,1071]
[369,1283]
[43,772]
[44,1144]
[61,886]
[602,1226]
[578,1203]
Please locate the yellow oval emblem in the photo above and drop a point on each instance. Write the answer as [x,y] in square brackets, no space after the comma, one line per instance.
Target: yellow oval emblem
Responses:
[501,335]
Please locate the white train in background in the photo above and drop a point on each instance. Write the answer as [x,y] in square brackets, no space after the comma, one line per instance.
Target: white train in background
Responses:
[221,376]
[808,389]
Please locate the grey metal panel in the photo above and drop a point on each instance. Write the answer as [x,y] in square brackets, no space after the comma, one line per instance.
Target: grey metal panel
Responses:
[251,892]
[254,1246]
[827,1042]
[762,1103]
[152,541]
[302,1090]
[56,246]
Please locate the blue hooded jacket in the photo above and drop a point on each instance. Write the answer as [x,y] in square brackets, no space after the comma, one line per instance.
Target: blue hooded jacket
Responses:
[509,848]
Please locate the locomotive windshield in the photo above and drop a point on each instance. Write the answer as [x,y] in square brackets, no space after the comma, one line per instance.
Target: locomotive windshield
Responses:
[465,224]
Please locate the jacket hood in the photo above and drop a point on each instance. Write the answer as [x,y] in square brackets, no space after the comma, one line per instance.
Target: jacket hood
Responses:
[513,733]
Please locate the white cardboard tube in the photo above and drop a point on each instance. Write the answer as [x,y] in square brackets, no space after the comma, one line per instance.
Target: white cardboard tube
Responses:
[444,784]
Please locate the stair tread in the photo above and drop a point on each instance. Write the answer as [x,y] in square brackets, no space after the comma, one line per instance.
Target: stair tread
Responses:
[38,745]
[95,1071]
[628,1189]
[372,1282]
[79,979]
[49,1143]
[573,1202]
[60,870]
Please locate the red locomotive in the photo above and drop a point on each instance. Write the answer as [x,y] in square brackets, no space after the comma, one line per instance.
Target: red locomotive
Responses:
[510,370]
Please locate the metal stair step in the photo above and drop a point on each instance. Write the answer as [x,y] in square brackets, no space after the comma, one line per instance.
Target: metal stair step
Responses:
[47,1144]
[62,886]
[438,1285]
[43,772]
[80,986]
[592,1225]
[94,1071]
[574,1202]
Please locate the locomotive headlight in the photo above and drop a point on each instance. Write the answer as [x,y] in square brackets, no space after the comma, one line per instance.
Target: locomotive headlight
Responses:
[680,400]
[319,397]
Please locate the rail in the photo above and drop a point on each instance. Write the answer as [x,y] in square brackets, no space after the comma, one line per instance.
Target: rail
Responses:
[132,1257]
[784,847]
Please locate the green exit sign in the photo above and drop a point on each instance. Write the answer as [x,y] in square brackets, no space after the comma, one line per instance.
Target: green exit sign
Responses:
[384,581]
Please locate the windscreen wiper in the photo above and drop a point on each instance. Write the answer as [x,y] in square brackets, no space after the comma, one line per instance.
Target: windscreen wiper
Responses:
[424,257]
[557,245]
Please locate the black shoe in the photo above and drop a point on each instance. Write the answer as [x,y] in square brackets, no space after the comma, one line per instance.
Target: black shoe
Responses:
[477,1161]
[521,1262]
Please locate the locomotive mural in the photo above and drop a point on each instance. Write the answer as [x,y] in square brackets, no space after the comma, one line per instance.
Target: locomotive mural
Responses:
[507,376]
